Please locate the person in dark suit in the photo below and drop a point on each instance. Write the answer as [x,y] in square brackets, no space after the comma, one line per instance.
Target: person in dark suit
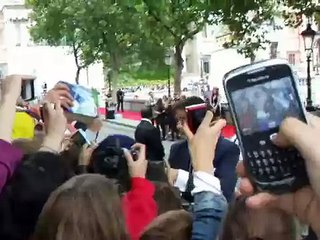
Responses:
[120,98]
[149,135]
[225,160]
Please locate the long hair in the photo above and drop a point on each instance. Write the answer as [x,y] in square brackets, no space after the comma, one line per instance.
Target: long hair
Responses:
[159,104]
[170,225]
[243,223]
[85,207]
[214,94]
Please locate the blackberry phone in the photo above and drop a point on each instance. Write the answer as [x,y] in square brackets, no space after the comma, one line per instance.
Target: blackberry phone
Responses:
[261,96]
[195,115]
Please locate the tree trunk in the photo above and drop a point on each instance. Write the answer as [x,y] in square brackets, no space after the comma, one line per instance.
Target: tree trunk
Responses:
[114,75]
[178,68]
[78,75]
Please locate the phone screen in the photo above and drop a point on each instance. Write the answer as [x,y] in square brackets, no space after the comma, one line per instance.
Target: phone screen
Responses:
[264,106]
[79,138]
[84,102]
[260,100]
[195,115]
[27,89]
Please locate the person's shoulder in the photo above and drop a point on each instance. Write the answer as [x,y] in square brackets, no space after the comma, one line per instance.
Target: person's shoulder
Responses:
[226,144]
[179,144]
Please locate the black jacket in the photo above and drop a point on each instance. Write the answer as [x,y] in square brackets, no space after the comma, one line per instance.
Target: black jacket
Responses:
[225,161]
[149,135]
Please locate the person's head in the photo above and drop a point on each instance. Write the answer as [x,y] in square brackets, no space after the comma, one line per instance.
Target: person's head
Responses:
[215,91]
[172,225]
[165,98]
[146,113]
[28,146]
[180,107]
[244,104]
[151,94]
[23,198]
[166,197]
[85,207]
[244,223]
[159,102]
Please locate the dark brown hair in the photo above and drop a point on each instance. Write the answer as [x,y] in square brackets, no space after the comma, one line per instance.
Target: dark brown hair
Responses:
[167,197]
[28,146]
[85,207]
[243,223]
[172,225]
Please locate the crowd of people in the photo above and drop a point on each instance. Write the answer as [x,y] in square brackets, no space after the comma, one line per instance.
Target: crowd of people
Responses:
[53,188]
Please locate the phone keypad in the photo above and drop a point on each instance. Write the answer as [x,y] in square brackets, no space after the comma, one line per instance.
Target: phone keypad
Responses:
[272,164]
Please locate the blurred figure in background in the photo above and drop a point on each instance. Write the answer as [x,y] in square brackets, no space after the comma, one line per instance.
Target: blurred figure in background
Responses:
[120,98]
[160,115]
[215,101]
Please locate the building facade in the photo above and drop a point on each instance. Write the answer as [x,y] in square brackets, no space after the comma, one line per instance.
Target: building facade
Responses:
[205,55]
[20,55]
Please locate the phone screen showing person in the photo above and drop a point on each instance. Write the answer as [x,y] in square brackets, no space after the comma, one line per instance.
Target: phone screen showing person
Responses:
[195,115]
[260,99]
[79,138]
[84,102]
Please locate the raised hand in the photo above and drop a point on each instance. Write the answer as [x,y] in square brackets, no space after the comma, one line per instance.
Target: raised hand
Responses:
[55,125]
[305,203]
[203,144]
[10,92]
[137,168]
[61,93]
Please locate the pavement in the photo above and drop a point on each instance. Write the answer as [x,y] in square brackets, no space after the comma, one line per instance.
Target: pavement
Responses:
[124,122]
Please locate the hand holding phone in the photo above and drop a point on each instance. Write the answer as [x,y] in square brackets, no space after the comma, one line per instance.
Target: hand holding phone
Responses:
[261,96]
[79,138]
[84,103]
[195,115]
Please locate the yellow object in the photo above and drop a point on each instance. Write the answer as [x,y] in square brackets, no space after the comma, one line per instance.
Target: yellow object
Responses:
[23,126]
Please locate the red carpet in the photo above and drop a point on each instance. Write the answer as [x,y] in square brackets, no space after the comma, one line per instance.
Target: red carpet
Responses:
[126,114]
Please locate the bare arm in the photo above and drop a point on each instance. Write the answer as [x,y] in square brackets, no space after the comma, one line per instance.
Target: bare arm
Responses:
[11,88]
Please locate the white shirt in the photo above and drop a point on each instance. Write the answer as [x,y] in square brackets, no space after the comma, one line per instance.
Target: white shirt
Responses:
[147,120]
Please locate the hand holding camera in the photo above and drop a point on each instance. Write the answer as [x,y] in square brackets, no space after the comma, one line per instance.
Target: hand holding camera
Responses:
[137,168]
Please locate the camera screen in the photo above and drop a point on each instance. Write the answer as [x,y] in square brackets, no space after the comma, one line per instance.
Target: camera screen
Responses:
[262,107]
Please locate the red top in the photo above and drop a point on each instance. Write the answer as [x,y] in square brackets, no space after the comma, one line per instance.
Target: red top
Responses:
[139,207]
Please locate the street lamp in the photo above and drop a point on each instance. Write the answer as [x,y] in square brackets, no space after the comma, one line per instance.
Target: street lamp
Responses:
[168,61]
[308,38]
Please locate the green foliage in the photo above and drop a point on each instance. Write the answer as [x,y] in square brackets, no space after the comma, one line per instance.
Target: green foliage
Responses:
[171,23]
[249,22]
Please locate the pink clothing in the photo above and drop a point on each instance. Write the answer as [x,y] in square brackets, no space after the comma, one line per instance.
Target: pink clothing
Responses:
[10,157]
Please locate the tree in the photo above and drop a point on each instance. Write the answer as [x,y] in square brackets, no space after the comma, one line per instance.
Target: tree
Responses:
[175,22]
[113,32]
[250,20]
[248,25]
[55,23]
